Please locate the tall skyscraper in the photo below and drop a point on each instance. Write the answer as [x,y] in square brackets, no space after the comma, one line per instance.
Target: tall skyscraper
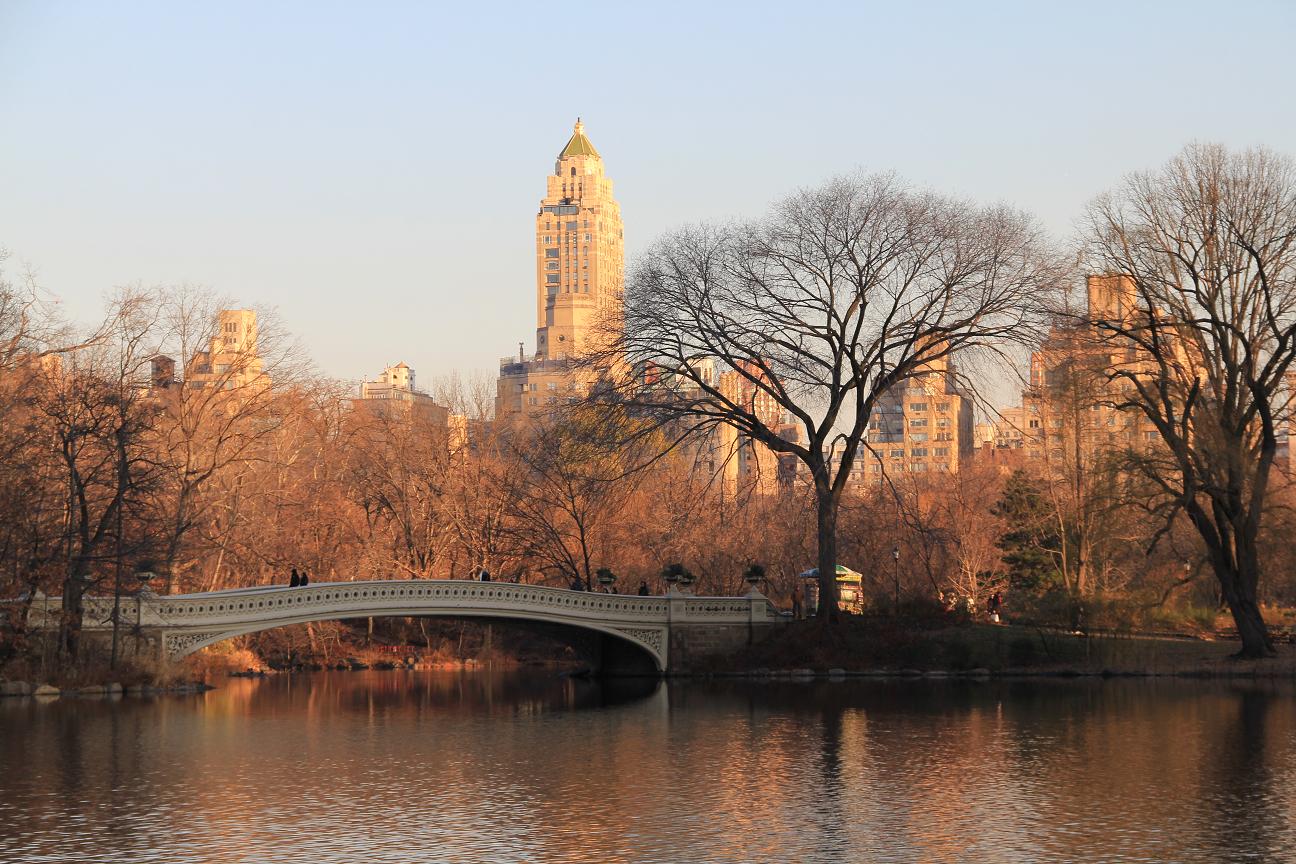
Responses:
[580,273]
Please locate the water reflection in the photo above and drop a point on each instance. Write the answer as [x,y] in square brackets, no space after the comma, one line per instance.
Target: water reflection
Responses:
[393,766]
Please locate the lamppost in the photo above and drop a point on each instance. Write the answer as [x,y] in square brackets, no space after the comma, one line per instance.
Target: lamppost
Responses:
[685,578]
[143,576]
[895,556]
[606,578]
[677,574]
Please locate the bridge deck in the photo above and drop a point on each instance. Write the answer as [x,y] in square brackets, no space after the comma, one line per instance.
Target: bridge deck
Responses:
[188,622]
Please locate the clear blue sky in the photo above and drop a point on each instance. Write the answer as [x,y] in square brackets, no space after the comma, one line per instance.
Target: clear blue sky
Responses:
[372,169]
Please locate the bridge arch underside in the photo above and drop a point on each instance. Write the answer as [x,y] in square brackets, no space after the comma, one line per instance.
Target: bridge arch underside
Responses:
[609,650]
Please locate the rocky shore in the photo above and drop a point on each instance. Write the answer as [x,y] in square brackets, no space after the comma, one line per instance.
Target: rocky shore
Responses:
[24,689]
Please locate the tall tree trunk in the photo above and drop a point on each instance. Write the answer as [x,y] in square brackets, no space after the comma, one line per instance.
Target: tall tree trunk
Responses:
[1239,589]
[70,620]
[826,518]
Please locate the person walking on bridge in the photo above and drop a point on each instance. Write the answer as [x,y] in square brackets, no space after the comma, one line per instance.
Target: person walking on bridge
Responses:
[295,580]
[643,587]
[305,580]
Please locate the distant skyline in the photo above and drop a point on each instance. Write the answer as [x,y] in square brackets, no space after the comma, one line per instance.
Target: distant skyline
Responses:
[372,171]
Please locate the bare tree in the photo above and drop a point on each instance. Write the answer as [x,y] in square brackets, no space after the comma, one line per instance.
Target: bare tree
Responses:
[574,485]
[840,294]
[1205,333]
[399,476]
[483,479]
[95,403]
[211,422]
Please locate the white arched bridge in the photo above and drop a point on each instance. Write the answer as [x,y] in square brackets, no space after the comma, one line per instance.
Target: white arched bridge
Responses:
[671,630]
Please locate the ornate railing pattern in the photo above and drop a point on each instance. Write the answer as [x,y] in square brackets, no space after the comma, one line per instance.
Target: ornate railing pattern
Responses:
[190,621]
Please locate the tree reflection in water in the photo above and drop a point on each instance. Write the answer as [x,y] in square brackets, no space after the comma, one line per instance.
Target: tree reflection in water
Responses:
[432,766]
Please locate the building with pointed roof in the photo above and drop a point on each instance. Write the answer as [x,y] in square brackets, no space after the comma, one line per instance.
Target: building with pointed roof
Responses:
[578,144]
[580,273]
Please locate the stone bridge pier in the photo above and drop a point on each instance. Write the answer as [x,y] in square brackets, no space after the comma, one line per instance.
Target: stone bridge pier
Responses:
[674,634]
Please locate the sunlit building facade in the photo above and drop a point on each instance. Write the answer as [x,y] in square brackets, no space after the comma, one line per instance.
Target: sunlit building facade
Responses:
[232,360]
[393,394]
[580,274]
[923,426]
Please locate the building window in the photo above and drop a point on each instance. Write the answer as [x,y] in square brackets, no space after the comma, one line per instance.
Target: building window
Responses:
[897,454]
[551,253]
[548,239]
[918,436]
[552,279]
[940,451]
[918,423]
[917,406]
[942,406]
[552,265]
[918,451]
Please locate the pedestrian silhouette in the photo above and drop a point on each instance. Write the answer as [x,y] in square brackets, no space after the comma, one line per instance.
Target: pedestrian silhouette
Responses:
[305,580]
[643,588]
[994,606]
[295,580]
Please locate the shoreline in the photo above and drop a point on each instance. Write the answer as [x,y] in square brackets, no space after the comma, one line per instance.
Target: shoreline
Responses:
[17,691]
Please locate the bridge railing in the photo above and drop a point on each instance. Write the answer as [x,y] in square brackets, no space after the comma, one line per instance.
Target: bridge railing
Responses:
[238,606]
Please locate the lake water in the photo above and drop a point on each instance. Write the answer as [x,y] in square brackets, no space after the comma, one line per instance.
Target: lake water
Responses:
[522,766]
